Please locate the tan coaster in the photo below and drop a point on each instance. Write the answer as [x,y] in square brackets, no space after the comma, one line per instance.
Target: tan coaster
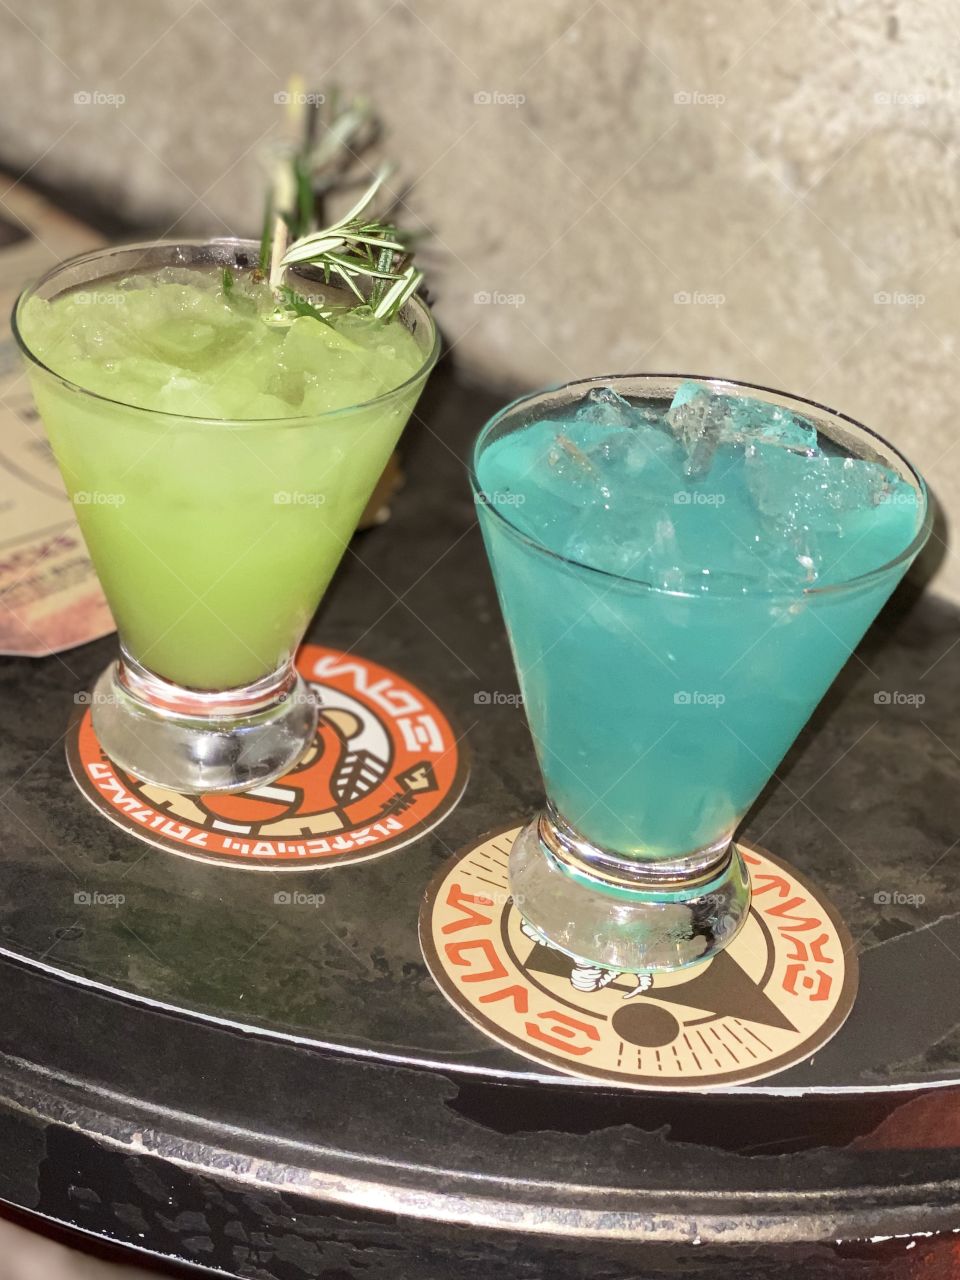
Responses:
[385,767]
[783,987]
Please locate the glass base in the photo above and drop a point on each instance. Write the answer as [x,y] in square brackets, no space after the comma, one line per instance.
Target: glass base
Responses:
[633,916]
[192,741]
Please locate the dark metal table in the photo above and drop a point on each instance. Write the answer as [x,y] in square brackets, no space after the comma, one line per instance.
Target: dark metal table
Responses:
[275,1093]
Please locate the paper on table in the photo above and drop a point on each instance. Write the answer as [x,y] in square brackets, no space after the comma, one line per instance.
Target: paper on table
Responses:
[50,599]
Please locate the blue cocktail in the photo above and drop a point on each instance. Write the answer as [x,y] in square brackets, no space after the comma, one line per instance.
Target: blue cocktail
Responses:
[684,566]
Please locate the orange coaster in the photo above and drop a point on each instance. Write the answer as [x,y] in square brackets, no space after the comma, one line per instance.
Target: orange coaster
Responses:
[385,767]
[782,988]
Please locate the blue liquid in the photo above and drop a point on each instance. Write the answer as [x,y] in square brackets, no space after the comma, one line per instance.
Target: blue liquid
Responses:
[664,683]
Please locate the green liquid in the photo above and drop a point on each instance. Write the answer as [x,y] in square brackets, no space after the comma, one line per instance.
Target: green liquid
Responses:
[214,542]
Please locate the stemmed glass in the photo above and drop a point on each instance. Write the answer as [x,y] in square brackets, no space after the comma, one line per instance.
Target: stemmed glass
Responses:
[659,715]
[214,539]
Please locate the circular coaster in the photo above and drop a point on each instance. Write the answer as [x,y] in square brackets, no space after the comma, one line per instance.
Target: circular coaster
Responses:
[781,989]
[385,767]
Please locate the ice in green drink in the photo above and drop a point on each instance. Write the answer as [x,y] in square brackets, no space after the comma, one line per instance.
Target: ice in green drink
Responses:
[218,456]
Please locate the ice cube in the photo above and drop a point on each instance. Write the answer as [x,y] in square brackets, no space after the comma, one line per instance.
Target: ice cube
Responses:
[861,483]
[703,420]
[310,346]
[636,543]
[775,478]
[790,561]
[262,405]
[754,420]
[621,454]
[179,393]
[603,406]
[700,420]
[813,492]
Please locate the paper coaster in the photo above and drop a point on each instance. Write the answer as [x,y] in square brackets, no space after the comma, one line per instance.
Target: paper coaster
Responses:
[782,988]
[385,767]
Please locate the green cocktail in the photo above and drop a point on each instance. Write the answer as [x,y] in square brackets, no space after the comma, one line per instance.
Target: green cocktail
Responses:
[218,454]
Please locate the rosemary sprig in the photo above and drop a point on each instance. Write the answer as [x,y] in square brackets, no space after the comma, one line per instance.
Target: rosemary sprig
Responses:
[352,248]
[358,246]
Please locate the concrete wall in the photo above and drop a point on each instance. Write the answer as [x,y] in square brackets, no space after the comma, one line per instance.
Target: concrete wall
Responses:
[766,190]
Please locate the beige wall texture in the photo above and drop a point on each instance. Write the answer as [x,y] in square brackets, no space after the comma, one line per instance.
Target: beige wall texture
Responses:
[763,189]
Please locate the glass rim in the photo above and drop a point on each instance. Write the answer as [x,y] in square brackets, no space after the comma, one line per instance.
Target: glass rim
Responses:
[912,549]
[90,255]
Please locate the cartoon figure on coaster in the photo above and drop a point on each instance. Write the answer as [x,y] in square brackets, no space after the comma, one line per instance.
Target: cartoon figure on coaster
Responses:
[343,781]
[590,977]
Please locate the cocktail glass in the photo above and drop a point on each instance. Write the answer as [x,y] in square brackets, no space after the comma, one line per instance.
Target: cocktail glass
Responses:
[213,539]
[658,716]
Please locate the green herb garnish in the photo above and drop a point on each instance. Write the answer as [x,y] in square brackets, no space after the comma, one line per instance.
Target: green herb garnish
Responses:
[358,246]
[354,247]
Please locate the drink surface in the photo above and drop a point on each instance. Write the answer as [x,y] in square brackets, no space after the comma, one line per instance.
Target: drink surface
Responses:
[203,343]
[214,542]
[676,641]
